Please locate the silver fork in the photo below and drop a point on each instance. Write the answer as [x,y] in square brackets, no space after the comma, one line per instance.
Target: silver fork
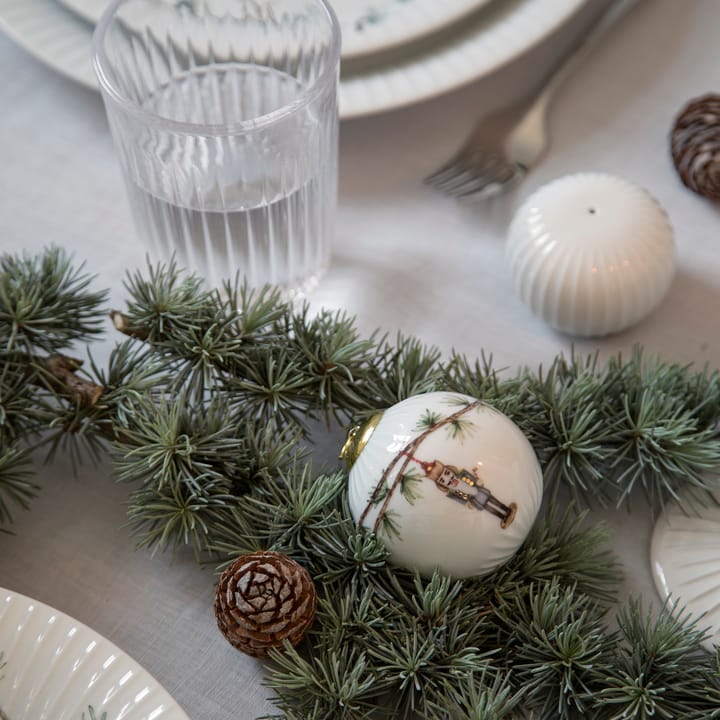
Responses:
[502,147]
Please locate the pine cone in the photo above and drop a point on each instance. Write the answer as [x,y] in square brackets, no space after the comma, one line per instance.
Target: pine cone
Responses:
[695,144]
[262,599]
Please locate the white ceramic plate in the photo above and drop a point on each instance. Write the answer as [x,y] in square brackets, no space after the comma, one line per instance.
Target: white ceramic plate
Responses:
[685,563]
[368,26]
[56,668]
[496,35]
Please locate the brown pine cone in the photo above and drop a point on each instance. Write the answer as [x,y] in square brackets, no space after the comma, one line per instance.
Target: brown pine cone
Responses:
[262,599]
[695,145]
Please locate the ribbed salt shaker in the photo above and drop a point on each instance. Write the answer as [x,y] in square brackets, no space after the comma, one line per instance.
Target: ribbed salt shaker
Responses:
[591,253]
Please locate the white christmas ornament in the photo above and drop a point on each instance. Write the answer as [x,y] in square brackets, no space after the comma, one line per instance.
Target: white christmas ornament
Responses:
[446,481]
[591,254]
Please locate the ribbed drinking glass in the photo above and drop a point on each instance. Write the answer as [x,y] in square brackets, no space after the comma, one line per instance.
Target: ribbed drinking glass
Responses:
[224,117]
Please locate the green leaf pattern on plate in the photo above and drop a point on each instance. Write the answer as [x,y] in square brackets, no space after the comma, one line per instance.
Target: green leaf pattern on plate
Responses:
[374,16]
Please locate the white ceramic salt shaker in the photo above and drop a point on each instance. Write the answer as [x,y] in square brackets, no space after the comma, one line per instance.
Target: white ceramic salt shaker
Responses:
[446,481]
[591,253]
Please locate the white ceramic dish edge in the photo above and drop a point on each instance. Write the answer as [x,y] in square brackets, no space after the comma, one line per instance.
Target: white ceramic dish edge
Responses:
[367,27]
[56,667]
[685,564]
[61,40]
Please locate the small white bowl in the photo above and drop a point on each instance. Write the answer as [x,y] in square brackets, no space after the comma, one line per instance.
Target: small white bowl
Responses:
[591,253]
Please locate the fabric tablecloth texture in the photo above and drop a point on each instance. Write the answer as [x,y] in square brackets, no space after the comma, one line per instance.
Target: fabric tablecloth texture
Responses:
[404,258]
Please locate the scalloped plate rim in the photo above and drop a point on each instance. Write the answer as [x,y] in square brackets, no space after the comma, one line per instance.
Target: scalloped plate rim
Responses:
[122,666]
[371,26]
[63,43]
[666,560]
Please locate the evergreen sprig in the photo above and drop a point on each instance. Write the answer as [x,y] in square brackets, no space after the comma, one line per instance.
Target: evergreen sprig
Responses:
[556,640]
[46,303]
[46,306]
[16,487]
[92,714]
[209,409]
[659,672]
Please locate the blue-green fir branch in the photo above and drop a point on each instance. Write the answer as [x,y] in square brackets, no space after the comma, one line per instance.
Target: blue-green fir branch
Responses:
[204,407]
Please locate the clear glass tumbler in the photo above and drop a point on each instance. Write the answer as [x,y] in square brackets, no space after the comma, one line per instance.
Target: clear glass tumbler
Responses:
[224,117]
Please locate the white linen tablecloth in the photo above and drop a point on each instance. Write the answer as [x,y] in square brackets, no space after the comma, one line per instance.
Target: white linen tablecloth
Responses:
[404,258]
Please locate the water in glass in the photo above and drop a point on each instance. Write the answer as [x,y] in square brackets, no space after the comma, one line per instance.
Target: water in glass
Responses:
[236,203]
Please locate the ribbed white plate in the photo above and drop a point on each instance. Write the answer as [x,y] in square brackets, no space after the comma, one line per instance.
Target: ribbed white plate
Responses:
[685,558]
[56,668]
[496,35]
[368,26]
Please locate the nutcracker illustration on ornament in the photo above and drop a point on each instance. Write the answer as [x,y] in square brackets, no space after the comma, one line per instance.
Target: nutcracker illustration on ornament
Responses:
[467,487]
[477,457]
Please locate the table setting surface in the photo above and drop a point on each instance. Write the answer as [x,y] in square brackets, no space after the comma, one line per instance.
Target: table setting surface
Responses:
[404,258]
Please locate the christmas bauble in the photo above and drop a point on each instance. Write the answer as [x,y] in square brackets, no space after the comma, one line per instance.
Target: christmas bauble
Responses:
[263,599]
[446,481]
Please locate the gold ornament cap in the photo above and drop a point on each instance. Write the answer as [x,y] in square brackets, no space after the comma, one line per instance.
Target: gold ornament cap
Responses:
[357,439]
